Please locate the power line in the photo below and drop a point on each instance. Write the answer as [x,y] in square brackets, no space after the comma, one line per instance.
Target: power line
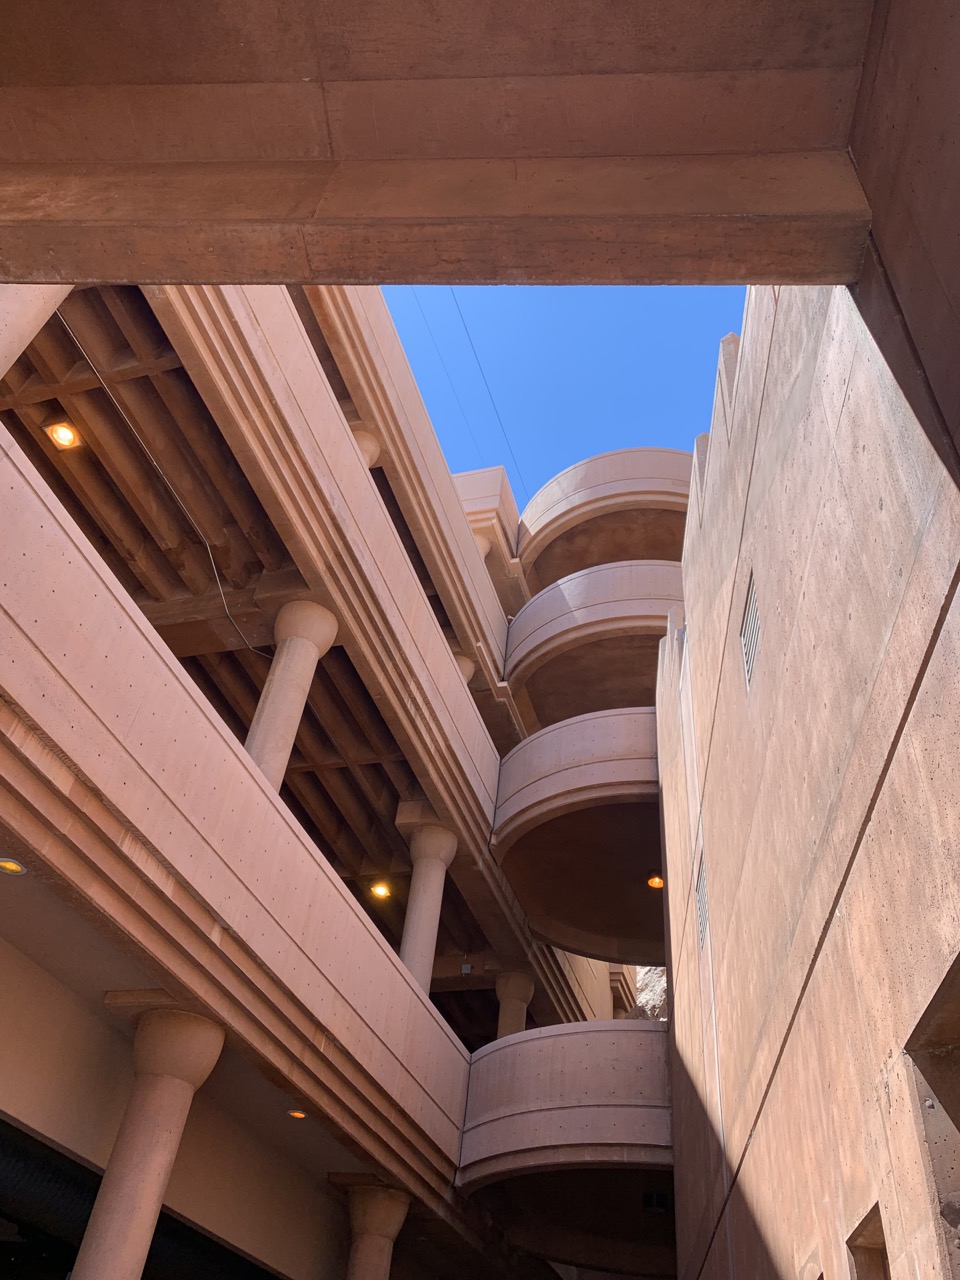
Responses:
[483,375]
[443,362]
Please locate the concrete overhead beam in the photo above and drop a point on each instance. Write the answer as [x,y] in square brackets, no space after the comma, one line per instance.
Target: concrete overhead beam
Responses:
[783,218]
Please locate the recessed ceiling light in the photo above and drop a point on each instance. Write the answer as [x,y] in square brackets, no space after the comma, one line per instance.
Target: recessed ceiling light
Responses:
[381,889]
[11,867]
[297,1115]
[655,880]
[63,434]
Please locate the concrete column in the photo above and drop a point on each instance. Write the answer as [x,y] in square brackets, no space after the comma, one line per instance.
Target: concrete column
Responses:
[304,631]
[376,1216]
[431,851]
[514,991]
[24,310]
[173,1053]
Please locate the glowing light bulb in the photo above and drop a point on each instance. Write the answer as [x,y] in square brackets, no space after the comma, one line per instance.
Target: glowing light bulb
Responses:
[655,881]
[63,434]
[381,889]
[297,1115]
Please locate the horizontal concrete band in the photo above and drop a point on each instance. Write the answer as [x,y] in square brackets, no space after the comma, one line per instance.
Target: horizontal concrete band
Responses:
[540,1159]
[603,757]
[594,1094]
[627,598]
[594,1125]
[798,217]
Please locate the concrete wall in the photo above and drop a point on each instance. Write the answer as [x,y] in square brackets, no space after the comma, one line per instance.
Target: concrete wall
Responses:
[823,801]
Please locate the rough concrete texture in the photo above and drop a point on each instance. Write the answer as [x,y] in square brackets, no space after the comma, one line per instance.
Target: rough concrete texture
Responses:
[816,809]
[525,1111]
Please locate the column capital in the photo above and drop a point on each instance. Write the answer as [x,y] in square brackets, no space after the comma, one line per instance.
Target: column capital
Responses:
[368,444]
[376,1210]
[306,620]
[467,666]
[515,986]
[428,834]
[171,1042]
[416,813]
[430,841]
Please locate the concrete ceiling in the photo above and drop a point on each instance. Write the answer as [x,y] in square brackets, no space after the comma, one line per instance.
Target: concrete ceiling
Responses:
[386,80]
[708,141]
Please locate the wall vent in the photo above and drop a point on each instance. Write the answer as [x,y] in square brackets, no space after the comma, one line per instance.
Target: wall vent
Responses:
[750,630]
[702,904]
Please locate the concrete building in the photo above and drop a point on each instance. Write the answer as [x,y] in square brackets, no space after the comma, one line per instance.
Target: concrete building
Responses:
[339,799]
[306,827]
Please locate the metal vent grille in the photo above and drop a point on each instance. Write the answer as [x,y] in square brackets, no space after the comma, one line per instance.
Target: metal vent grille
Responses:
[750,630]
[702,904]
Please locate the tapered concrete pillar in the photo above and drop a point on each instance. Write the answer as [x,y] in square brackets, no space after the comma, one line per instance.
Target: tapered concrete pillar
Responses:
[514,991]
[173,1053]
[376,1216]
[431,851]
[304,631]
[24,310]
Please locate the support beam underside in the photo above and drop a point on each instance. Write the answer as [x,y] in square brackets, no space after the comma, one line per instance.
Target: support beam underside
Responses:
[783,218]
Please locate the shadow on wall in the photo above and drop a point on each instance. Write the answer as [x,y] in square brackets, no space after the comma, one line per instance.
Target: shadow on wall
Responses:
[731,1242]
[715,1222]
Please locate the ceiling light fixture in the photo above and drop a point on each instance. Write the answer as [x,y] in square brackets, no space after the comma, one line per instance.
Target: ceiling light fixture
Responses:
[655,880]
[63,434]
[381,889]
[11,867]
[297,1115]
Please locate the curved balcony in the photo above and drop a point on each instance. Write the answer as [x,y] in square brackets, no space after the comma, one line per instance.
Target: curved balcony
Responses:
[590,641]
[568,1135]
[626,505]
[584,1093]
[577,832]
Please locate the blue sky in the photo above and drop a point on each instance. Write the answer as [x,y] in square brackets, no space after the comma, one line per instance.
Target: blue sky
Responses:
[571,371]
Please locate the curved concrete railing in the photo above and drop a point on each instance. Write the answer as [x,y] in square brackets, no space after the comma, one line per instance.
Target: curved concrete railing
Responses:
[600,758]
[626,479]
[579,1095]
[631,597]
